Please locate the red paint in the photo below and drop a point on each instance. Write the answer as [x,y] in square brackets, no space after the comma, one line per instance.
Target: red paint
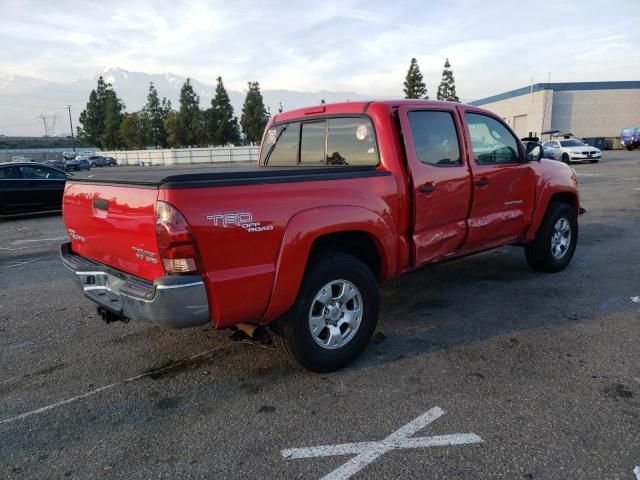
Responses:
[255,276]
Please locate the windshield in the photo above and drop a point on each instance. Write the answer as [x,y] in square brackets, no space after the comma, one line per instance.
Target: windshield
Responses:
[571,143]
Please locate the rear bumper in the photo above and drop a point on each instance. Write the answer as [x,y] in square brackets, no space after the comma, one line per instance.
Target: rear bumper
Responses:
[170,302]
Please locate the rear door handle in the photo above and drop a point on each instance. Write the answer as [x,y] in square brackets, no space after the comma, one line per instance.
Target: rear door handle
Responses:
[482,182]
[427,188]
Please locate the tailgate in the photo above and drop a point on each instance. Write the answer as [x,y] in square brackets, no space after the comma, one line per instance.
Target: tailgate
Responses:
[114,225]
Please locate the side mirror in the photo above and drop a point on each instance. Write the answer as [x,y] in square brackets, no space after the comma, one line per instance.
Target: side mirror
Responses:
[534,152]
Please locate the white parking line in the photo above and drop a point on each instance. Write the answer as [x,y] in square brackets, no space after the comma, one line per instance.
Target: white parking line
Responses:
[637,471]
[589,174]
[107,387]
[368,452]
[22,263]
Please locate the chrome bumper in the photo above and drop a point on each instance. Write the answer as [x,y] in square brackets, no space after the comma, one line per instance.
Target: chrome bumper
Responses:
[170,301]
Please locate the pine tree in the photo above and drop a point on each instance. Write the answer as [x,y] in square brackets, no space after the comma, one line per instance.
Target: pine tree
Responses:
[447,87]
[111,138]
[190,130]
[223,127]
[156,113]
[254,115]
[101,118]
[171,127]
[414,86]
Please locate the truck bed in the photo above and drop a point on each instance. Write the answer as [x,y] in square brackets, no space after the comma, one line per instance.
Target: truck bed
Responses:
[208,176]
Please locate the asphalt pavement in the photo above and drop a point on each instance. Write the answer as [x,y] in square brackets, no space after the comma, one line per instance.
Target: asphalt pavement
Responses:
[482,367]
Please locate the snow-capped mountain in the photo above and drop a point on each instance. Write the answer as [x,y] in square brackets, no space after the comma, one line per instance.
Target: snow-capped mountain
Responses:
[23,99]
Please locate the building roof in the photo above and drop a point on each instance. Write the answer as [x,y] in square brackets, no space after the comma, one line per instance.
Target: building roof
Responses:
[559,87]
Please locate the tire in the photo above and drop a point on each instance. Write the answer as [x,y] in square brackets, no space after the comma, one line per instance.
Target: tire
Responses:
[548,252]
[292,333]
[566,159]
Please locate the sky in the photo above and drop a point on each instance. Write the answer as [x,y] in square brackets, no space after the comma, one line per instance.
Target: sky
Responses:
[345,45]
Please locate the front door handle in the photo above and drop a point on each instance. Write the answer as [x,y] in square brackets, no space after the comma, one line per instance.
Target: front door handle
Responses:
[427,188]
[482,182]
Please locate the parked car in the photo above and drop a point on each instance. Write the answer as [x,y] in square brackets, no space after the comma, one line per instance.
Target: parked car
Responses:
[630,137]
[59,164]
[571,150]
[69,155]
[29,187]
[97,161]
[334,207]
[77,164]
[20,158]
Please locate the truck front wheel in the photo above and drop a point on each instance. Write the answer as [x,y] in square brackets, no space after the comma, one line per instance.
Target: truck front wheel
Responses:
[334,315]
[556,239]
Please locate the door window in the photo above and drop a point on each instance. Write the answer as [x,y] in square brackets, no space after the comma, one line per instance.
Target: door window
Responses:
[492,143]
[34,172]
[8,173]
[435,140]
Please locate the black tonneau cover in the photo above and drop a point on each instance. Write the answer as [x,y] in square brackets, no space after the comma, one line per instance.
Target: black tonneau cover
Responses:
[210,176]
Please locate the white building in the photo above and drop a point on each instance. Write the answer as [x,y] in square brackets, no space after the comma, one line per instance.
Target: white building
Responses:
[587,109]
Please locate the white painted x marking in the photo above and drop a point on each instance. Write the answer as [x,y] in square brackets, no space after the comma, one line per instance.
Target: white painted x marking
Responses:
[368,452]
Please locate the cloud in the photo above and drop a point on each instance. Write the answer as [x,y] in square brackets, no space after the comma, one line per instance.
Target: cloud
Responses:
[356,45]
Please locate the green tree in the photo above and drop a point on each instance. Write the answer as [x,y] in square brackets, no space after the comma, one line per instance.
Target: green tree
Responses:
[135,130]
[156,112]
[171,127]
[111,138]
[414,86]
[222,126]
[101,118]
[447,87]
[190,130]
[254,115]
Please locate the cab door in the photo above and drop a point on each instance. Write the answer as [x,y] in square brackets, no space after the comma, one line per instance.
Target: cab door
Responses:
[440,180]
[504,184]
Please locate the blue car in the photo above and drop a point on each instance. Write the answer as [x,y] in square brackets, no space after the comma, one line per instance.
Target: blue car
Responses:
[630,137]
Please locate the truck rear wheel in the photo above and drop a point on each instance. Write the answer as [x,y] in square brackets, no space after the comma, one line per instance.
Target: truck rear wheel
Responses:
[334,315]
[556,239]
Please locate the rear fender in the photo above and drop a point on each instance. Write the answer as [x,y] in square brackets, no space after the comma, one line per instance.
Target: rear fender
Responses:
[304,228]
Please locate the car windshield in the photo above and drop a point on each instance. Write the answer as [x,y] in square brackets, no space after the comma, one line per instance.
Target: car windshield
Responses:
[571,143]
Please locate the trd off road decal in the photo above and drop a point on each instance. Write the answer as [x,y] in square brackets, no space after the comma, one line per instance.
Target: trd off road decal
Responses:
[238,219]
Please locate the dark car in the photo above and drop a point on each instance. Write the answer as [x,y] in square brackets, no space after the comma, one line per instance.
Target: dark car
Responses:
[77,165]
[30,187]
[97,161]
[59,164]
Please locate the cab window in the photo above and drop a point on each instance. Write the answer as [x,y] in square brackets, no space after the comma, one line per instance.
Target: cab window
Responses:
[334,141]
[312,143]
[434,138]
[492,143]
[280,147]
[351,141]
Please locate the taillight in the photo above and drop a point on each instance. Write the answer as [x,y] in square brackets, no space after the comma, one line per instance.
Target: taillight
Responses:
[176,245]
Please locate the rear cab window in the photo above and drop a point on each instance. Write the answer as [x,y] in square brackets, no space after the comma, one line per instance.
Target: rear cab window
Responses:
[340,141]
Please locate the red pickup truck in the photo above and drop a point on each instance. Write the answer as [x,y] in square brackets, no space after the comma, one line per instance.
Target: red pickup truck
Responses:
[344,197]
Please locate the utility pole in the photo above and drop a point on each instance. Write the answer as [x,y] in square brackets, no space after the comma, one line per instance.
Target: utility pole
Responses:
[73,140]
